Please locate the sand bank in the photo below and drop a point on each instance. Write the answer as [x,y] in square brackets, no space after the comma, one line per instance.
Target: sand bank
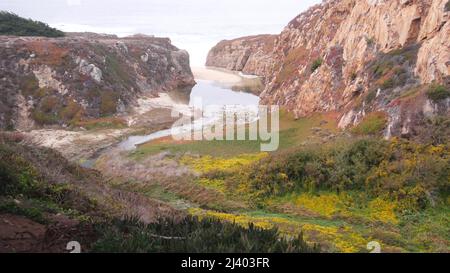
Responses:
[217,75]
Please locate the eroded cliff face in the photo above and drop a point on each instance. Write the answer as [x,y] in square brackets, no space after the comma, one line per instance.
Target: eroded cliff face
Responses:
[251,55]
[360,56]
[54,81]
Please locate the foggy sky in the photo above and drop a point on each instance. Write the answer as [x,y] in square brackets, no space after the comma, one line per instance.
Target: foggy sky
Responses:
[195,25]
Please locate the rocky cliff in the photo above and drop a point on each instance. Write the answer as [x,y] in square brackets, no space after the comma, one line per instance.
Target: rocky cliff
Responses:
[58,80]
[358,57]
[251,55]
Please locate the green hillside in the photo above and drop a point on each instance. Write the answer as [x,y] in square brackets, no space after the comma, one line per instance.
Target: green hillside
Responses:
[12,24]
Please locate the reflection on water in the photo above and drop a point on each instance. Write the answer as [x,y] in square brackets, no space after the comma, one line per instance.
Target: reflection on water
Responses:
[211,95]
[181,95]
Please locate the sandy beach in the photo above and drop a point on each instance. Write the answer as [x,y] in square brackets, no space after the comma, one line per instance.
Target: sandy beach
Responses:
[217,75]
[230,79]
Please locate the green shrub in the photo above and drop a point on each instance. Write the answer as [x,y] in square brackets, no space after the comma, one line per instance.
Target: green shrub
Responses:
[437,93]
[371,96]
[101,123]
[311,170]
[189,236]
[436,130]
[372,124]
[389,83]
[32,213]
[393,69]
[46,112]
[43,118]
[114,70]
[370,41]
[48,104]
[17,176]
[409,173]
[32,175]
[382,67]
[447,6]
[69,112]
[28,85]
[316,64]
[108,104]
[42,93]
[12,24]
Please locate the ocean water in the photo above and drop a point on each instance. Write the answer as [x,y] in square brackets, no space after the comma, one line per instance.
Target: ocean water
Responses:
[194,25]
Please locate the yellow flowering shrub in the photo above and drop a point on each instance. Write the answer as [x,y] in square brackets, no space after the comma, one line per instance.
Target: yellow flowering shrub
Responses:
[343,239]
[241,220]
[326,204]
[207,164]
[383,211]
[215,184]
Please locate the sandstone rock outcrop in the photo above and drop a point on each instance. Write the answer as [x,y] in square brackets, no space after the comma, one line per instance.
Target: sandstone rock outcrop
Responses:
[54,80]
[358,56]
[251,55]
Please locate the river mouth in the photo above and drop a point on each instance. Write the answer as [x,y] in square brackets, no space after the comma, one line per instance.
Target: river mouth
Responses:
[209,96]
